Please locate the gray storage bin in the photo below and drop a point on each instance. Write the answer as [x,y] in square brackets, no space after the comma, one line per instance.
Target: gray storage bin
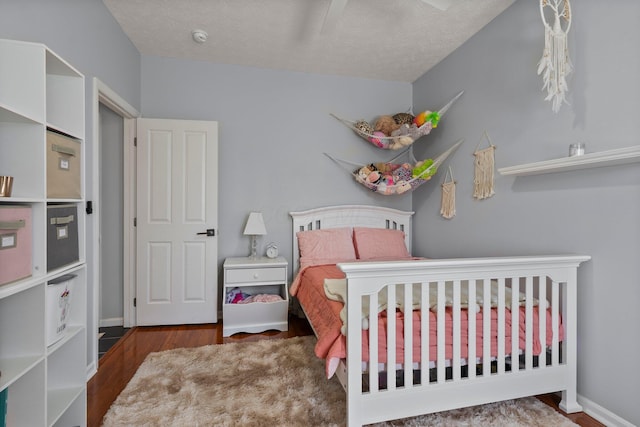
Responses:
[62,236]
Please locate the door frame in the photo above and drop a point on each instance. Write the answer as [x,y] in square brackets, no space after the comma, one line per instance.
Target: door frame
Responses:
[103,94]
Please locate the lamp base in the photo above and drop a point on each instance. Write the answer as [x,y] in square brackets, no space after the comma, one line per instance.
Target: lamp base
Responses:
[254,245]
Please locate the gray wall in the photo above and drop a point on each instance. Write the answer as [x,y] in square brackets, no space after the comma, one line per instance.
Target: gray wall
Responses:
[274,128]
[594,211]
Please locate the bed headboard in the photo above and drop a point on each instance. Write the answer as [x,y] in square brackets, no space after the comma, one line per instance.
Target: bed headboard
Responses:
[349,216]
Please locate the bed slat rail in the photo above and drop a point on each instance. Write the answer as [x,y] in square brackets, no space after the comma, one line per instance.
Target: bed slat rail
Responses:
[490,370]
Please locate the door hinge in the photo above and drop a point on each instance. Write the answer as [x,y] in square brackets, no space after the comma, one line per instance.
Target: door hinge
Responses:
[135,222]
[135,301]
[135,141]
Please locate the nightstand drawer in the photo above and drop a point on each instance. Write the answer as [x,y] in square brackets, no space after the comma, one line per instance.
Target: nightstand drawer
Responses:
[248,275]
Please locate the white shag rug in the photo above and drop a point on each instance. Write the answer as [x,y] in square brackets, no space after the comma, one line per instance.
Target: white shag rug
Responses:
[273,383]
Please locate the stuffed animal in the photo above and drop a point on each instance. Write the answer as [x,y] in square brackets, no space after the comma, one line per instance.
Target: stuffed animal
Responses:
[403,118]
[385,188]
[384,168]
[386,125]
[364,129]
[403,173]
[421,118]
[400,142]
[427,116]
[420,169]
[364,172]
[402,187]
[434,118]
[373,177]
[414,131]
[368,174]
[401,138]
[379,139]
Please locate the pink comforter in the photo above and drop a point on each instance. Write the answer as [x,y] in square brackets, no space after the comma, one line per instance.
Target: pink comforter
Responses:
[324,316]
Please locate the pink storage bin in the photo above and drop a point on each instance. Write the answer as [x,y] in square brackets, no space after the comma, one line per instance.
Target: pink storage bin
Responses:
[15,243]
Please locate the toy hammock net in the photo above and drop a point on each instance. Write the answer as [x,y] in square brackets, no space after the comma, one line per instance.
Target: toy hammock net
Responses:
[400,130]
[389,178]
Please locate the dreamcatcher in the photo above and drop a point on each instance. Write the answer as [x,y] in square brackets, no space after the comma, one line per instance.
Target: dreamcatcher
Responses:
[555,64]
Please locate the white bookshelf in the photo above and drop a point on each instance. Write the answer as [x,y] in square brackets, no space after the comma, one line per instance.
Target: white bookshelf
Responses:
[46,385]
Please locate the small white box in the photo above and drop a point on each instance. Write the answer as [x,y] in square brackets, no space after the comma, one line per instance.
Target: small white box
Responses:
[59,293]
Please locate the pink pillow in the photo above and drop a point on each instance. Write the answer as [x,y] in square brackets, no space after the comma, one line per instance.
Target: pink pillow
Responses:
[380,243]
[328,246]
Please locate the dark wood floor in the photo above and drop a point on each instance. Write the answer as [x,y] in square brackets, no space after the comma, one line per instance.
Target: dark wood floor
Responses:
[119,364]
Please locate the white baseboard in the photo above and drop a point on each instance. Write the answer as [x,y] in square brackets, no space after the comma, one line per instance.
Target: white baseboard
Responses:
[601,414]
[91,370]
[114,321]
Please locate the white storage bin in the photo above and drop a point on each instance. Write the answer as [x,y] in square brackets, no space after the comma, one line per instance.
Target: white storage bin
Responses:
[59,292]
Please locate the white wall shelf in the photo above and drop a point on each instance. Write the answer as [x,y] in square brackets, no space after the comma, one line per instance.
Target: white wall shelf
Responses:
[615,157]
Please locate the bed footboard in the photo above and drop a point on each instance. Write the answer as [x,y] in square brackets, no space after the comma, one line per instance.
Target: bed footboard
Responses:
[532,349]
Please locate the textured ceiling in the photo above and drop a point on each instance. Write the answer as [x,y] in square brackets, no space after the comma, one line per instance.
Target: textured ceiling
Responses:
[395,40]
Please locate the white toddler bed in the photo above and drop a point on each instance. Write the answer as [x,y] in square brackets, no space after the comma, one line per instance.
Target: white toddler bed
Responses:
[535,282]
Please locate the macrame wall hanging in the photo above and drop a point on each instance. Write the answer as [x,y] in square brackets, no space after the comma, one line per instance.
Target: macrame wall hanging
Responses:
[555,64]
[448,200]
[484,166]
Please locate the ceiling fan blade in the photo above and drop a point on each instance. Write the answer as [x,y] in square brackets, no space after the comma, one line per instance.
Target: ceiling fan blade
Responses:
[439,4]
[337,6]
[333,14]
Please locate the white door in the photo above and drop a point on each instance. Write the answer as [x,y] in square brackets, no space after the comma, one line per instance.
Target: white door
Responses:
[177,220]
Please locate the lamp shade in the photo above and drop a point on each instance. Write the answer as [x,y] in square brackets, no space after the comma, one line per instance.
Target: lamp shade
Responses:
[255,225]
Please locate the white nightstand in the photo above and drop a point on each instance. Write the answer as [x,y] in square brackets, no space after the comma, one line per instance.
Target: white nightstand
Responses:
[255,276]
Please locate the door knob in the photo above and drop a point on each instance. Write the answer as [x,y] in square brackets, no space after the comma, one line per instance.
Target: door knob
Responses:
[210,232]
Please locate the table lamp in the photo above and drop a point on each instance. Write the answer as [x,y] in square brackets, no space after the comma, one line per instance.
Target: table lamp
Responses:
[255,227]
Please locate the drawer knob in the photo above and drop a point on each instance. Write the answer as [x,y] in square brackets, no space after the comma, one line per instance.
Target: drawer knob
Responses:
[255,275]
